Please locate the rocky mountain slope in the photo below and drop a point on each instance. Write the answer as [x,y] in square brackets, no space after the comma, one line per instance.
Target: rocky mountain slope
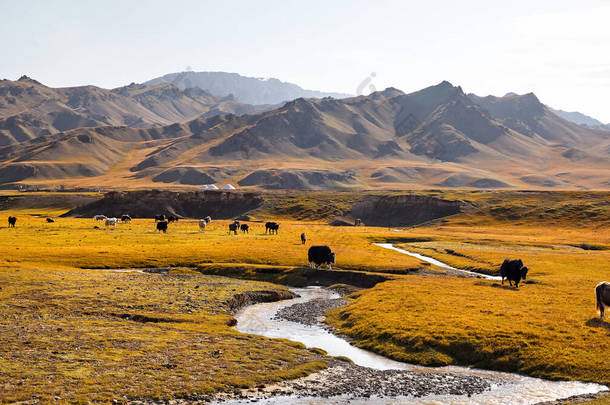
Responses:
[29,109]
[250,90]
[436,137]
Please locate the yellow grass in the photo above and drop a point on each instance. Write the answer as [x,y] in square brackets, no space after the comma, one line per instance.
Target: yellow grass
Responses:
[548,328]
[75,243]
[65,334]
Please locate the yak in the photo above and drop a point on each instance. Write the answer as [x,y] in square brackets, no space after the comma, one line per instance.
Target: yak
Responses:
[602,296]
[513,270]
[272,227]
[12,221]
[162,226]
[319,255]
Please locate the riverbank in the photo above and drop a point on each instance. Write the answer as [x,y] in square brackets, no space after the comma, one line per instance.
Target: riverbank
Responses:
[365,381]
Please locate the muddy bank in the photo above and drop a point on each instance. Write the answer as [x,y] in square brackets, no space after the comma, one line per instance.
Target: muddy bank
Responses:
[192,204]
[578,399]
[238,301]
[295,277]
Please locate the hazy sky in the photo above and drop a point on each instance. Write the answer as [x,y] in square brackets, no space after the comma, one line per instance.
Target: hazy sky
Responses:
[558,49]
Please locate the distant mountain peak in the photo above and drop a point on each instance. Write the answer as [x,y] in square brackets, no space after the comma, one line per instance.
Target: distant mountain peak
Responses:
[580,119]
[251,90]
[26,78]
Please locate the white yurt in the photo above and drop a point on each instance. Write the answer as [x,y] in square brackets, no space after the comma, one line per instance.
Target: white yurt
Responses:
[205,187]
[212,187]
[228,187]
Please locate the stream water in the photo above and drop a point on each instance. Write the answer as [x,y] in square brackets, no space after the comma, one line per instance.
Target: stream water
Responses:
[435,262]
[506,388]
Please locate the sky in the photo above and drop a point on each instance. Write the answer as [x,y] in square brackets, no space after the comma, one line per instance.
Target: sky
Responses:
[557,49]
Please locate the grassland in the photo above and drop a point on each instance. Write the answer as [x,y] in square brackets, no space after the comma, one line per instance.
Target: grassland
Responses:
[548,328]
[67,333]
[75,243]
[81,336]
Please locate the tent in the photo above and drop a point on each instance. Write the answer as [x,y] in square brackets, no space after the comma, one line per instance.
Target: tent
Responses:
[212,187]
[228,187]
[205,187]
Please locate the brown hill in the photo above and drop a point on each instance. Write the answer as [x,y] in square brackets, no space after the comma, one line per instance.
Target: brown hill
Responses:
[438,136]
[29,109]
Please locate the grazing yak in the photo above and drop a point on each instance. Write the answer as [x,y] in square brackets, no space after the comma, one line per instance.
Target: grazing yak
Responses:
[244,228]
[602,295]
[233,228]
[171,219]
[303,238]
[272,227]
[208,219]
[99,218]
[162,226]
[319,255]
[202,225]
[12,221]
[125,219]
[111,222]
[159,217]
[50,220]
[513,270]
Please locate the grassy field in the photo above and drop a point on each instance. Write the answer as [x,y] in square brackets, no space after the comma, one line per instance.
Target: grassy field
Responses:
[68,331]
[75,243]
[548,328]
[80,336]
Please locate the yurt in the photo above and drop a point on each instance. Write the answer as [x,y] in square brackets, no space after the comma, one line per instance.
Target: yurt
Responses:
[228,187]
[212,187]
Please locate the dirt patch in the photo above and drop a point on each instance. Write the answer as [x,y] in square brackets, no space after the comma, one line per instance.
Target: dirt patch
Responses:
[402,210]
[194,204]
[28,201]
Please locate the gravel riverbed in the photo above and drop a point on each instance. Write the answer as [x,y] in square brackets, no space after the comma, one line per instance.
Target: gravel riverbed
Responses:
[311,312]
[348,382]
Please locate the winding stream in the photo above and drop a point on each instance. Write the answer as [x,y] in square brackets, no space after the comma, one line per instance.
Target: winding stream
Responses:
[507,388]
[436,262]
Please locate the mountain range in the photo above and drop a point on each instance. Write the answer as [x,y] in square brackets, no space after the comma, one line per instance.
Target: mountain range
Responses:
[250,90]
[29,109]
[435,137]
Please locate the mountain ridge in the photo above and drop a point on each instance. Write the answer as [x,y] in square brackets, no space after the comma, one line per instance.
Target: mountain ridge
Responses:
[436,137]
[29,109]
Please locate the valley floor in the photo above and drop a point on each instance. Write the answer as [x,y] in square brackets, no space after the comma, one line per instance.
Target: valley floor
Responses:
[80,334]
